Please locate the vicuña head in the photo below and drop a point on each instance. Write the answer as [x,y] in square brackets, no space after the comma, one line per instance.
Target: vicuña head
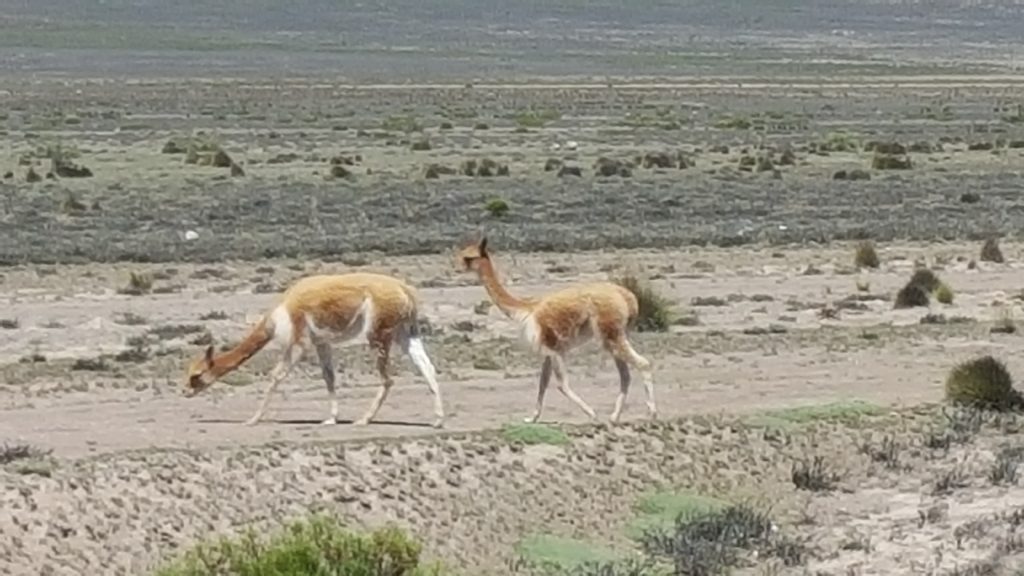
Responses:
[201,374]
[470,256]
[559,321]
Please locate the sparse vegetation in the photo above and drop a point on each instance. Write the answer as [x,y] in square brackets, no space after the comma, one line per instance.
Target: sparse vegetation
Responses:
[813,475]
[14,452]
[713,541]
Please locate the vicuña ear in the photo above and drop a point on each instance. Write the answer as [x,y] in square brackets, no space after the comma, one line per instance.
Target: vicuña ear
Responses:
[483,246]
[209,355]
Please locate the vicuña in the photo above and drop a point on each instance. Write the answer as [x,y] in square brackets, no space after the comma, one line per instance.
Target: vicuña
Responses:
[318,311]
[556,323]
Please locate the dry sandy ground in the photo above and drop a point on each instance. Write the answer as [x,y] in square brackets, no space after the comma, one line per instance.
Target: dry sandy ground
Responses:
[699,369]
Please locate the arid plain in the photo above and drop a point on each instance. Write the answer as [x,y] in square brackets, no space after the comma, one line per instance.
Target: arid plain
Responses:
[144,219]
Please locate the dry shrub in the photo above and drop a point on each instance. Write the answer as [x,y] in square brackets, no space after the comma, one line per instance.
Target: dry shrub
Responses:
[138,284]
[984,383]
[990,251]
[866,256]
[654,313]
[607,167]
[925,279]
[891,162]
[658,160]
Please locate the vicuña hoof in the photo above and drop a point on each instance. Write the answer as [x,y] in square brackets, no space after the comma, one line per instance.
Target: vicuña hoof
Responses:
[329,422]
[439,423]
[361,422]
[252,421]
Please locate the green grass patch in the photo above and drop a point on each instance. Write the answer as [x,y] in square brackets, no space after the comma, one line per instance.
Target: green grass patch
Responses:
[531,434]
[557,552]
[659,510]
[835,411]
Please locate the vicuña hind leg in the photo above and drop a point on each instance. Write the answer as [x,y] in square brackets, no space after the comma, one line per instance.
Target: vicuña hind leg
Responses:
[323,352]
[382,345]
[624,380]
[413,346]
[542,388]
[563,386]
[292,354]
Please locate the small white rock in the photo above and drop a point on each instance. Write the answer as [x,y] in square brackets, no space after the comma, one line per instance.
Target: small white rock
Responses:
[191,235]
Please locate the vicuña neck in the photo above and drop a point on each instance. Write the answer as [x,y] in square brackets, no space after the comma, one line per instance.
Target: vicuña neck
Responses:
[247,348]
[506,302]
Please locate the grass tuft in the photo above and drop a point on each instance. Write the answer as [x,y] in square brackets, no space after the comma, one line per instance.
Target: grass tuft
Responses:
[866,256]
[654,313]
[922,285]
[982,383]
[990,251]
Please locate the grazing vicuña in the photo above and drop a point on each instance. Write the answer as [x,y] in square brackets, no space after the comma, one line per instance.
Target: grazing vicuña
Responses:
[317,311]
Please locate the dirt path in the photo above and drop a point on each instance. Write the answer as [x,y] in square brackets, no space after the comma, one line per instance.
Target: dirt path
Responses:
[707,368]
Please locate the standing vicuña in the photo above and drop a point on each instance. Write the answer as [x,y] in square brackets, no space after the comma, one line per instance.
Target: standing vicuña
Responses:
[318,311]
[558,322]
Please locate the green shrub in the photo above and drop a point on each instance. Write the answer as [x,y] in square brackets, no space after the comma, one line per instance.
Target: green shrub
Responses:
[654,313]
[982,383]
[497,207]
[316,547]
[944,294]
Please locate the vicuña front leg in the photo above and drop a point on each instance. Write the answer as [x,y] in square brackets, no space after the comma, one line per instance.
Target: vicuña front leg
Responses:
[542,388]
[624,381]
[563,387]
[291,355]
[383,348]
[323,352]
